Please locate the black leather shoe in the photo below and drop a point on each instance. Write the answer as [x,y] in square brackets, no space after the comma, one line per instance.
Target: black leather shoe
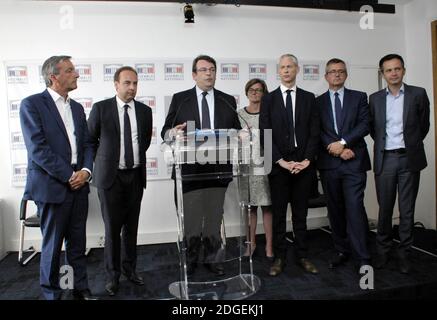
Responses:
[380,261]
[216,268]
[83,295]
[277,267]
[404,265]
[111,288]
[338,260]
[135,278]
[308,266]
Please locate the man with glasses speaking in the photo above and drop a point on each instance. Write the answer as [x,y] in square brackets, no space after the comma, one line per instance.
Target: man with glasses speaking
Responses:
[202,108]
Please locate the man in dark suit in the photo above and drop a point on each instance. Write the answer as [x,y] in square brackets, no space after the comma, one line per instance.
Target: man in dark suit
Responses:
[292,115]
[202,107]
[399,122]
[59,166]
[121,130]
[343,162]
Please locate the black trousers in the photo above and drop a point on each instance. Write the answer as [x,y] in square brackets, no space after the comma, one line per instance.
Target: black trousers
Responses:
[203,216]
[295,189]
[344,190]
[396,178]
[121,205]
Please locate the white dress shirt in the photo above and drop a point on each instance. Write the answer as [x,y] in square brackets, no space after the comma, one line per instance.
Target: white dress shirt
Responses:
[66,114]
[64,109]
[394,120]
[134,131]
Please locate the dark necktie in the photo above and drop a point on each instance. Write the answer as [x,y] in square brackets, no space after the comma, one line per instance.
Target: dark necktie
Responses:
[206,122]
[289,108]
[338,111]
[128,149]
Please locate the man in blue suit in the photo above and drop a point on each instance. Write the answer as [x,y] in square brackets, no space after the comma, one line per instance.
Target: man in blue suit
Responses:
[60,160]
[343,162]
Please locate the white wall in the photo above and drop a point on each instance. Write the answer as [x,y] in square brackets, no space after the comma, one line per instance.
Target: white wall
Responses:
[30,30]
[2,234]
[418,16]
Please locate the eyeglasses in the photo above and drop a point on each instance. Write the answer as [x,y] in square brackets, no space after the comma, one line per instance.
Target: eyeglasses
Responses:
[255,91]
[340,72]
[212,70]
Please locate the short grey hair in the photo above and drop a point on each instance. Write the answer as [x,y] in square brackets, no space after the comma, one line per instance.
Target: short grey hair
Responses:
[49,68]
[289,55]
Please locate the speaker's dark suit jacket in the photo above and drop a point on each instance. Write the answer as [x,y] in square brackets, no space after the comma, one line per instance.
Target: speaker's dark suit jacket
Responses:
[416,126]
[284,186]
[343,181]
[49,169]
[104,128]
[184,108]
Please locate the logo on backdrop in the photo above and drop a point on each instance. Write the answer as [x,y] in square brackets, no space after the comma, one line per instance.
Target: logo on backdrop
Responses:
[109,71]
[311,72]
[17,74]
[173,71]
[87,104]
[258,70]
[154,135]
[14,108]
[148,100]
[19,173]
[152,166]
[17,140]
[230,71]
[146,71]
[85,72]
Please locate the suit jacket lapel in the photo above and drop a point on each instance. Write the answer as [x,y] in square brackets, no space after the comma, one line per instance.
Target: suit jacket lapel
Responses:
[382,107]
[217,110]
[345,106]
[140,121]
[328,110]
[53,109]
[115,117]
[297,108]
[194,105]
[407,103]
[281,106]
[76,121]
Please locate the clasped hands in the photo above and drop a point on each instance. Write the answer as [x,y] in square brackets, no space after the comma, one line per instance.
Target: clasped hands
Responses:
[337,149]
[294,166]
[78,179]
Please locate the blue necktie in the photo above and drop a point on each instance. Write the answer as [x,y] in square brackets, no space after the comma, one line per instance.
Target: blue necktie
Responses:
[338,110]
[289,108]
[206,121]
[128,149]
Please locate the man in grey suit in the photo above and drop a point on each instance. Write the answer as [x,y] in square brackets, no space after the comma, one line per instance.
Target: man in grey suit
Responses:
[121,130]
[399,124]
